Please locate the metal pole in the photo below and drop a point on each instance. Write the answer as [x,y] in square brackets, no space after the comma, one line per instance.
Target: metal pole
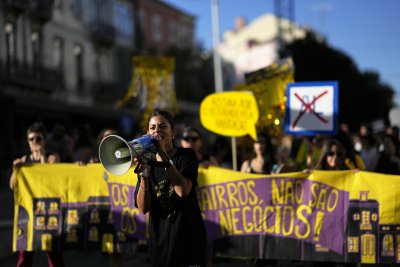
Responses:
[216,57]
[218,66]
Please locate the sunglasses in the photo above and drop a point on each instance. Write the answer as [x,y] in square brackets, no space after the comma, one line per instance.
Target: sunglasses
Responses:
[190,138]
[37,139]
[333,153]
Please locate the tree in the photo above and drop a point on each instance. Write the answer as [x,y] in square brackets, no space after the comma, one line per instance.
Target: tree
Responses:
[363,97]
[193,75]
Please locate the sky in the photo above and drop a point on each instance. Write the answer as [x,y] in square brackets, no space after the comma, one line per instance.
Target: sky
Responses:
[368,31]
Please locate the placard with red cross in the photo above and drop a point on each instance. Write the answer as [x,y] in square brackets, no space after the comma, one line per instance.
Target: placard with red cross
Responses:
[312,108]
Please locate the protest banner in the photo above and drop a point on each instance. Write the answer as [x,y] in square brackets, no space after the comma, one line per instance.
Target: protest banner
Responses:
[230,113]
[337,216]
[152,85]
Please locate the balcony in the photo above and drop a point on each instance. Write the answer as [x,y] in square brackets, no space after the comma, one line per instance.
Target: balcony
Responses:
[102,33]
[35,77]
[41,10]
[15,7]
[106,93]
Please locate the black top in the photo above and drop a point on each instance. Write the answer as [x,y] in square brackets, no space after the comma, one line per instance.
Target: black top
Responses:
[176,228]
[29,160]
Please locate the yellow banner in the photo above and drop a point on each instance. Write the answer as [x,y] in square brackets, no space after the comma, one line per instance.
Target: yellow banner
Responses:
[330,216]
[269,88]
[153,85]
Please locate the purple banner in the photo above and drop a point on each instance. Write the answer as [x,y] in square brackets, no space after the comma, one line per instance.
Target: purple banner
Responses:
[285,207]
[127,218]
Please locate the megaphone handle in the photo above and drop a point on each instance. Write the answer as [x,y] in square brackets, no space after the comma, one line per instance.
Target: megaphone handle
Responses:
[136,170]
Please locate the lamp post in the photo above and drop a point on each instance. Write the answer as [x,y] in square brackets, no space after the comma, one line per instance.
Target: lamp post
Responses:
[218,66]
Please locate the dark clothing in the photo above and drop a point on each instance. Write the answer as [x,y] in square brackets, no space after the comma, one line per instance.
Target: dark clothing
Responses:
[386,165]
[177,232]
[28,158]
[267,167]
[53,258]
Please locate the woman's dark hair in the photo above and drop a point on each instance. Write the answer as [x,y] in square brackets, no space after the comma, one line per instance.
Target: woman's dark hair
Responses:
[168,116]
[100,137]
[189,129]
[37,127]
[326,148]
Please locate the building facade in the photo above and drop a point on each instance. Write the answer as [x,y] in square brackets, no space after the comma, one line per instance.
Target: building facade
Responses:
[161,26]
[62,61]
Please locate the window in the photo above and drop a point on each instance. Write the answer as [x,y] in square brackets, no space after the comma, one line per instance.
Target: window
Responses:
[123,21]
[172,30]
[10,41]
[78,7]
[100,66]
[156,27]
[365,220]
[352,244]
[142,20]
[58,53]
[36,48]
[78,54]
[388,245]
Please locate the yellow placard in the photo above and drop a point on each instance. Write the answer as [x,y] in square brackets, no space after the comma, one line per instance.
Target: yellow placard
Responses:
[230,113]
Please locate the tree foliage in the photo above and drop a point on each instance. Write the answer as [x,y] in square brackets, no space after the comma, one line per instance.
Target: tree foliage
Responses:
[193,75]
[363,97]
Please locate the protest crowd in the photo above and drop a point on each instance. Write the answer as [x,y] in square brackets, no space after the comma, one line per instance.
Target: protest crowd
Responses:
[365,150]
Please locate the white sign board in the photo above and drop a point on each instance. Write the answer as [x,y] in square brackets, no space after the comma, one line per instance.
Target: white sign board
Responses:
[312,108]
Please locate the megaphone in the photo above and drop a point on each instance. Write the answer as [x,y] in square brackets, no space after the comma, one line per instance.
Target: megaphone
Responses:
[116,154]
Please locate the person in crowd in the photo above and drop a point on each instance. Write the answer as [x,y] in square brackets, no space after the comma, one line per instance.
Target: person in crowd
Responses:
[221,152]
[353,159]
[369,152]
[394,131]
[365,129]
[59,141]
[84,144]
[284,162]
[191,138]
[263,161]
[103,134]
[36,137]
[309,151]
[95,156]
[167,191]
[332,156]
[388,162]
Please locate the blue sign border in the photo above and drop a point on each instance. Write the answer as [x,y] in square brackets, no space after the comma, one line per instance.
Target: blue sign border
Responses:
[335,86]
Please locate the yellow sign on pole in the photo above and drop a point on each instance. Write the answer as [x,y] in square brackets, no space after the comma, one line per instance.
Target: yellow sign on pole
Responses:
[230,113]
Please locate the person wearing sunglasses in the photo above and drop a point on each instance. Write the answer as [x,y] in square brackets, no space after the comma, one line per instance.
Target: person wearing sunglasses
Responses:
[36,137]
[191,138]
[332,156]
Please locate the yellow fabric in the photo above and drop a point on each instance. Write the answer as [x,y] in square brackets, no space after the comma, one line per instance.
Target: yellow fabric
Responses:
[76,184]
[359,163]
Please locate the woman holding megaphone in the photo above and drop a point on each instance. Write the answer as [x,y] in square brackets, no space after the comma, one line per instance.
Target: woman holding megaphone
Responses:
[167,191]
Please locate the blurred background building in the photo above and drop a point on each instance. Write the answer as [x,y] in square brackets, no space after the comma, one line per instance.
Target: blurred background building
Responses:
[255,45]
[70,61]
